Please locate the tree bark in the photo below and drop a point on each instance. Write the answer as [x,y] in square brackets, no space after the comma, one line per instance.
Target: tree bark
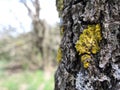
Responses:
[103,72]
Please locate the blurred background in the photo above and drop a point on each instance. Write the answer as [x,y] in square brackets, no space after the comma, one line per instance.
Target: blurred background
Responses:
[29,39]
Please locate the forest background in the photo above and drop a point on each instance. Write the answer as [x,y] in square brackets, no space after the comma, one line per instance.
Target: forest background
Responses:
[29,39]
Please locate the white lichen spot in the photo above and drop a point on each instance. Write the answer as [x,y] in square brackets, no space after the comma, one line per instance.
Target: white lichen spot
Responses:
[116,73]
[83,82]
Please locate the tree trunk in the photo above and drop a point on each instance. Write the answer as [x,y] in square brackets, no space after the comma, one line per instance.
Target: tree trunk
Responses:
[90,46]
[39,28]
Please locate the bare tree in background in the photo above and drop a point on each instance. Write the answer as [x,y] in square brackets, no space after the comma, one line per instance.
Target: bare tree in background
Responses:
[89,53]
[38,25]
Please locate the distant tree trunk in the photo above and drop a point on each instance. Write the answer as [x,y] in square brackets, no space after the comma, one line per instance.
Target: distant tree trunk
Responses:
[38,27]
[92,62]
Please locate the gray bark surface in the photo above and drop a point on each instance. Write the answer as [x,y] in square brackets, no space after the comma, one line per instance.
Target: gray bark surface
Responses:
[104,73]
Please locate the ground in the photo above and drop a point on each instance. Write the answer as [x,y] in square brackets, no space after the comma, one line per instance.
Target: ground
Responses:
[26,80]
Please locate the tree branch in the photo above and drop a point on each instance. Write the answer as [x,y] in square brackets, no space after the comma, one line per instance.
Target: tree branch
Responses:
[37,7]
[30,13]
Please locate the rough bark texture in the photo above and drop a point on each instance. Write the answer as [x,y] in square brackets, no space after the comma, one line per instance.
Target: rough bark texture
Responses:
[104,70]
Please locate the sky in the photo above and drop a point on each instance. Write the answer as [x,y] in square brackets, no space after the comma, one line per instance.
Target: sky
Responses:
[14,13]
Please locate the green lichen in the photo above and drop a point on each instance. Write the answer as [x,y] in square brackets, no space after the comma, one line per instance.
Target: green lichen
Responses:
[88,42]
[60,6]
[59,55]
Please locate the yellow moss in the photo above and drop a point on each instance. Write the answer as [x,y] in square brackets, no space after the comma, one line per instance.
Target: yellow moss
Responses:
[85,60]
[61,30]
[88,42]
[86,64]
[85,57]
[59,55]
[60,6]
